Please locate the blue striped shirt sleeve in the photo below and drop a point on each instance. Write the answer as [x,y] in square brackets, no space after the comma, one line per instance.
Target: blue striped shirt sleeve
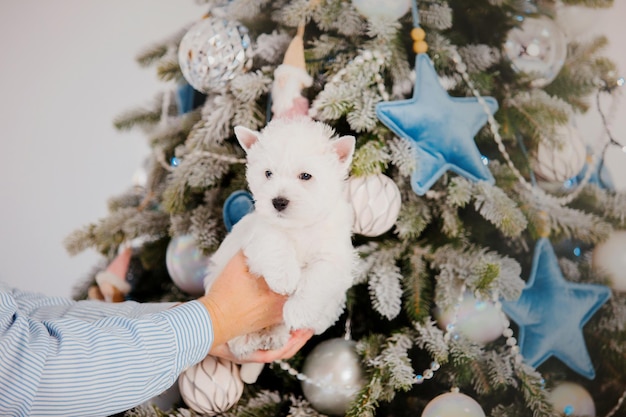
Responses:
[65,358]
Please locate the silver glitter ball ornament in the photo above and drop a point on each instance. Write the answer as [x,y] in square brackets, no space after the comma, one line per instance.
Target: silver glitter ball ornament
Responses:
[538,48]
[334,376]
[213,52]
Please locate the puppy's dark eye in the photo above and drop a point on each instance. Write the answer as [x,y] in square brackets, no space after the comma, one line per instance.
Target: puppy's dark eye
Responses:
[305,176]
[268,174]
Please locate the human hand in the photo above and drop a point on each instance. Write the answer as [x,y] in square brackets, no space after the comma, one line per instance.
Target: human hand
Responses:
[294,344]
[240,302]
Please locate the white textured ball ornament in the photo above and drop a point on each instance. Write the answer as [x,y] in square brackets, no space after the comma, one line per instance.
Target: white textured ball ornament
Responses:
[478,320]
[538,48]
[557,164]
[453,404]
[213,52]
[392,9]
[573,400]
[334,376]
[186,264]
[609,257]
[211,386]
[376,203]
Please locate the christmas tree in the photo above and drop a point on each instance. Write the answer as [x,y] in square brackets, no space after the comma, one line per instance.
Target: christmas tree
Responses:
[486,228]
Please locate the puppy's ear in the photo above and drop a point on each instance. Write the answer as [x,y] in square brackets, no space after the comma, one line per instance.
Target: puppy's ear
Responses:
[344,147]
[246,137]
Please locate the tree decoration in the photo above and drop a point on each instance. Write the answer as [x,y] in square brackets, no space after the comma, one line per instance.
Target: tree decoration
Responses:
[376,202]
[237,205]
[112,284]
[551,313]
[441,129]
[213,52]
[563,159]
[537,48]
[390,9]
[608,257]
[453,404]
[333,376]
[186,264]
[478,320]
[573,400]
[289,79]
[211,386]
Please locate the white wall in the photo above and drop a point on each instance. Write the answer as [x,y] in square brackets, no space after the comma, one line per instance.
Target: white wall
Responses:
[67,69]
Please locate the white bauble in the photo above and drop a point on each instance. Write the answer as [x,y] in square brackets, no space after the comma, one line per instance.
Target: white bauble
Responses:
[480,321]
[186,264]
[211,386]
[213,52]
[335,376]
[557,164]
[453,404]
[610,257]
[392,9]
[376,203]
[538,48]
[571,399]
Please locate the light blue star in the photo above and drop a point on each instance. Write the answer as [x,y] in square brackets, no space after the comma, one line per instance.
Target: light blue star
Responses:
[441,127]
[551,313]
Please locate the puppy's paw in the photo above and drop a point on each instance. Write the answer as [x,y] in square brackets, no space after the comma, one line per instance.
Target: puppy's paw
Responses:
[283,283]
[299,315]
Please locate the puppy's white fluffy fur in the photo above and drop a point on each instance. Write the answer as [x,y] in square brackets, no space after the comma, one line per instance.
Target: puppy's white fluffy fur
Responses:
[299,235]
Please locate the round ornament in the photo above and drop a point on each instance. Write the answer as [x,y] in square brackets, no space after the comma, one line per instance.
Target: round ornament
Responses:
[453,404]
[211,386]
[557,164]
[608,257]
[571,399]
[334,376]
[480,321]
[186,264]
[376,203]
[391,9]
[237,205]
[213,52]
[538,48]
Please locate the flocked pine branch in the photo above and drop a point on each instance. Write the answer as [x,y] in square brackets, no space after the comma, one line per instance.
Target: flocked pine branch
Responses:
[477,268]
[369,159]
[436,15]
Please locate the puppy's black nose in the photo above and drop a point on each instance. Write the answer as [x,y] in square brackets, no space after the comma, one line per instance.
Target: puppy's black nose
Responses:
[280,203]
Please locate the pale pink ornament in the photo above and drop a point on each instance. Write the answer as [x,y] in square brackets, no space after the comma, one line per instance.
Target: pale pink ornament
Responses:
[608,257]
[453,404]
[557,164]
[376,203]
[573,400]
[211,386]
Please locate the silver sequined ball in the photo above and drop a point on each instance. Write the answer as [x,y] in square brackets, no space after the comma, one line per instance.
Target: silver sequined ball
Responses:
[213,52]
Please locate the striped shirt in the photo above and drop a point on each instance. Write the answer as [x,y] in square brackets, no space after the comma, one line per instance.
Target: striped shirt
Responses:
[60,357]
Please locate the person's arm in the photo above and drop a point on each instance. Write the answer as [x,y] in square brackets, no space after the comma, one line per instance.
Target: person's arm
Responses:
[68,366]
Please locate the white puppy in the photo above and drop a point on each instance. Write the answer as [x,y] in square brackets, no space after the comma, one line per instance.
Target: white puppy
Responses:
[299,235]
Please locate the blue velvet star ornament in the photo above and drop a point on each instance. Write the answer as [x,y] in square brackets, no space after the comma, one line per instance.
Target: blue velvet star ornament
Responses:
[441,127]
[551,313]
